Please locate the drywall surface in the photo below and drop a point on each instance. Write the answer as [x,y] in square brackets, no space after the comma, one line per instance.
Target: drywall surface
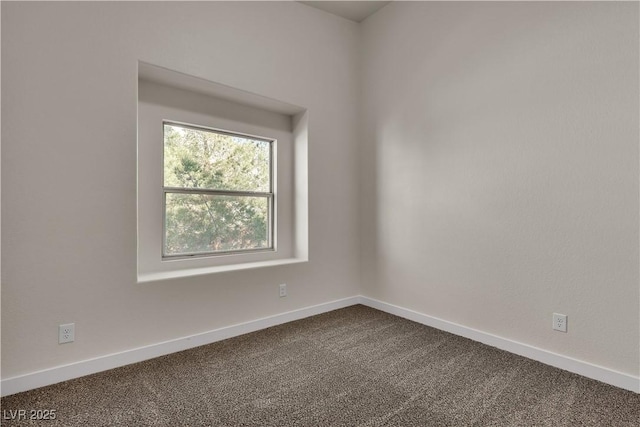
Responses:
[69,82]
[500,170]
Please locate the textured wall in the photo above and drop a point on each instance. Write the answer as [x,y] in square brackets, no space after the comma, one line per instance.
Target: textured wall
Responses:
[500,170]
[69,167]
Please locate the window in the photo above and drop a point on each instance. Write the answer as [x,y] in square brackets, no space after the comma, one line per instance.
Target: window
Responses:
[222,181]
[218,192]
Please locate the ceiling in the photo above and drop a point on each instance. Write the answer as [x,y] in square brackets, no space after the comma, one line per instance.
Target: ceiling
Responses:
[354,10]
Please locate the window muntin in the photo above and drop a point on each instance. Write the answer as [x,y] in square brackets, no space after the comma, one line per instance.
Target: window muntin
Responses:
[217,192]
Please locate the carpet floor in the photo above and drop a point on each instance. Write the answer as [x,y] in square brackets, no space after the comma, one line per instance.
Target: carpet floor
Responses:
[351,367]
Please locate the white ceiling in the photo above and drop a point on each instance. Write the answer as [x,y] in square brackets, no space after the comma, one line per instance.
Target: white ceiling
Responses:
[354,10]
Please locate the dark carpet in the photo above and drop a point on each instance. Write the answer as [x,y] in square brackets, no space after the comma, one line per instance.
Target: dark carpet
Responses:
[351,367]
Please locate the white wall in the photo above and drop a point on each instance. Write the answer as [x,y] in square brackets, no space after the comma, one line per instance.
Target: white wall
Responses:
[500,170]
[69,167]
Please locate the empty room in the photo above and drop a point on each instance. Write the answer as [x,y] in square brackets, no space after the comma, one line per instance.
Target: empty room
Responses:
[324,213]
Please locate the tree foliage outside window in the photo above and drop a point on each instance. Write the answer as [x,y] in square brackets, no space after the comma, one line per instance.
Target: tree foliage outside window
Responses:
[217,191]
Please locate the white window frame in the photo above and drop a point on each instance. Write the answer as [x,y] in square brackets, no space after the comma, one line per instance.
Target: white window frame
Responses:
[270,195]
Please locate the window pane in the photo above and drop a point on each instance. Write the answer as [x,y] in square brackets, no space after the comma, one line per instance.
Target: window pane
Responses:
[199,158]
[204,223]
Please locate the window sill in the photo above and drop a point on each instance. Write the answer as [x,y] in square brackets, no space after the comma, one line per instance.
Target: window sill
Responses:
[175,274]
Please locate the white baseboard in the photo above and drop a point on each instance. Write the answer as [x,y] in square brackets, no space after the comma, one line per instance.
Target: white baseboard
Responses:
[586,369]
[91,366]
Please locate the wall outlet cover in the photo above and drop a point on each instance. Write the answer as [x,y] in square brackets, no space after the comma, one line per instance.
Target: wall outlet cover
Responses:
[559,322]
[66,333]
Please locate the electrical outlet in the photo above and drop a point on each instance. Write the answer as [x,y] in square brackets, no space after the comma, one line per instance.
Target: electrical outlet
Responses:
[560,322]
[66,333]
[283,290]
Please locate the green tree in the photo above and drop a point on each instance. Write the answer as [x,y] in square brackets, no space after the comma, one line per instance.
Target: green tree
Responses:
[199,222]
